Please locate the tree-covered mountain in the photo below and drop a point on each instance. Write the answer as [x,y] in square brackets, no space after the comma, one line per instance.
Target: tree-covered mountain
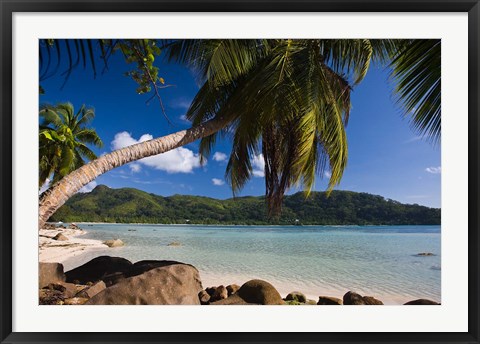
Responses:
[130,205]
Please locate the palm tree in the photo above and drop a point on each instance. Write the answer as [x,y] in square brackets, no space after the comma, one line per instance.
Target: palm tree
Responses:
[63,139]
[292,92]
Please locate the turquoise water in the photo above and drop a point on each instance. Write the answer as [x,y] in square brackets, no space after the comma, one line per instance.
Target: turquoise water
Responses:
[379,261]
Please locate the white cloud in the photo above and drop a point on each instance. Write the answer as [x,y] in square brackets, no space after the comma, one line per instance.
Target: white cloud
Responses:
[134,167]
[434,170]
[178,160]
[217,181]
[180,103]
[89,187]
[328,174]
[413,139]
[219,156]
[258,165]
[124,139]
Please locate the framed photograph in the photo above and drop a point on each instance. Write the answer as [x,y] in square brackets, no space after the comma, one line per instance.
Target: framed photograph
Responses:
[242,171]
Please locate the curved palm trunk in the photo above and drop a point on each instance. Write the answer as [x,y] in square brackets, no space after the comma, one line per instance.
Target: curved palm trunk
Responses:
[60,192]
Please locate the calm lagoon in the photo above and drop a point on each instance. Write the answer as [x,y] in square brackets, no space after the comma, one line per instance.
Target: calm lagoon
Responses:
[379,261]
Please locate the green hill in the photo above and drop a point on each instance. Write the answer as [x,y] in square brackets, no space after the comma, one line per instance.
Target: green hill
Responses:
[341,208]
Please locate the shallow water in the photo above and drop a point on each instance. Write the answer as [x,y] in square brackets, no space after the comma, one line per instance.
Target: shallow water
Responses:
[318,260]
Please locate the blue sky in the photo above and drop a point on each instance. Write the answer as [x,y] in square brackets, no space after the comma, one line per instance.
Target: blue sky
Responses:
[386,157]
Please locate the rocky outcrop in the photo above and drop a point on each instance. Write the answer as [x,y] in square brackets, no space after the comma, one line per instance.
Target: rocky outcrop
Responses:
[100,268]
[296,296]
[328,300]
[175,243]
[425,254]
[50,273]
[422,302]
[352,298]
[176,284]
[256,292]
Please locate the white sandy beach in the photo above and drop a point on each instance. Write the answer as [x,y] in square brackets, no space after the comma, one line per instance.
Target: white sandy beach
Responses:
[50,250]
[77,251]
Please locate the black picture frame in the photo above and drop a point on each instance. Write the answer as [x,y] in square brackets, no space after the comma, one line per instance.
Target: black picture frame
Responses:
[9,7]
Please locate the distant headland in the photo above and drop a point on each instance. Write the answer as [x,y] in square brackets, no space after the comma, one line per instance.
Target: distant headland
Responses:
[129,205]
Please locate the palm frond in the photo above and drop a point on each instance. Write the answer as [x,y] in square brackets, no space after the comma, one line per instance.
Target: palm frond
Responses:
[220,61]
[89,136]
[350,56]
[417,72]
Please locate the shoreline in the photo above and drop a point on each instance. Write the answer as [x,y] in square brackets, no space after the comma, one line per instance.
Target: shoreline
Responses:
[233,225]
[58,251]
[77,251]
[212,279]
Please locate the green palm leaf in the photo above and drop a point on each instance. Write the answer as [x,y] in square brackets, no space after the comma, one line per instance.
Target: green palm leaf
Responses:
[417,71]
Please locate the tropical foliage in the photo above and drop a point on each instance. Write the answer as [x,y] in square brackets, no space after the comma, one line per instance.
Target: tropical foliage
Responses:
[340,208]
[289,99]
[63,139]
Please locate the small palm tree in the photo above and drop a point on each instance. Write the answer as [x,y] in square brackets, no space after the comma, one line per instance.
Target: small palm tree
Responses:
[63,139]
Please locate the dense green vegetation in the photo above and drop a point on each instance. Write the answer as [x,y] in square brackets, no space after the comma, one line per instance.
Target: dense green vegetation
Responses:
[129,205]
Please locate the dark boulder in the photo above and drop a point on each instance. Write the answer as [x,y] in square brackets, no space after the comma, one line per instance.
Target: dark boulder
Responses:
[219,294]
[50,273]
[328,300]
[370,300]
[352,298]
[422,302]
[254,292]
[98,268]
[211,290]
[177,284]
[296,296]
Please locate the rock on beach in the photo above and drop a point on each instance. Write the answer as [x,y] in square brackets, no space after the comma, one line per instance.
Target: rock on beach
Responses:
[177,284]
[352,298]
[114,243]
